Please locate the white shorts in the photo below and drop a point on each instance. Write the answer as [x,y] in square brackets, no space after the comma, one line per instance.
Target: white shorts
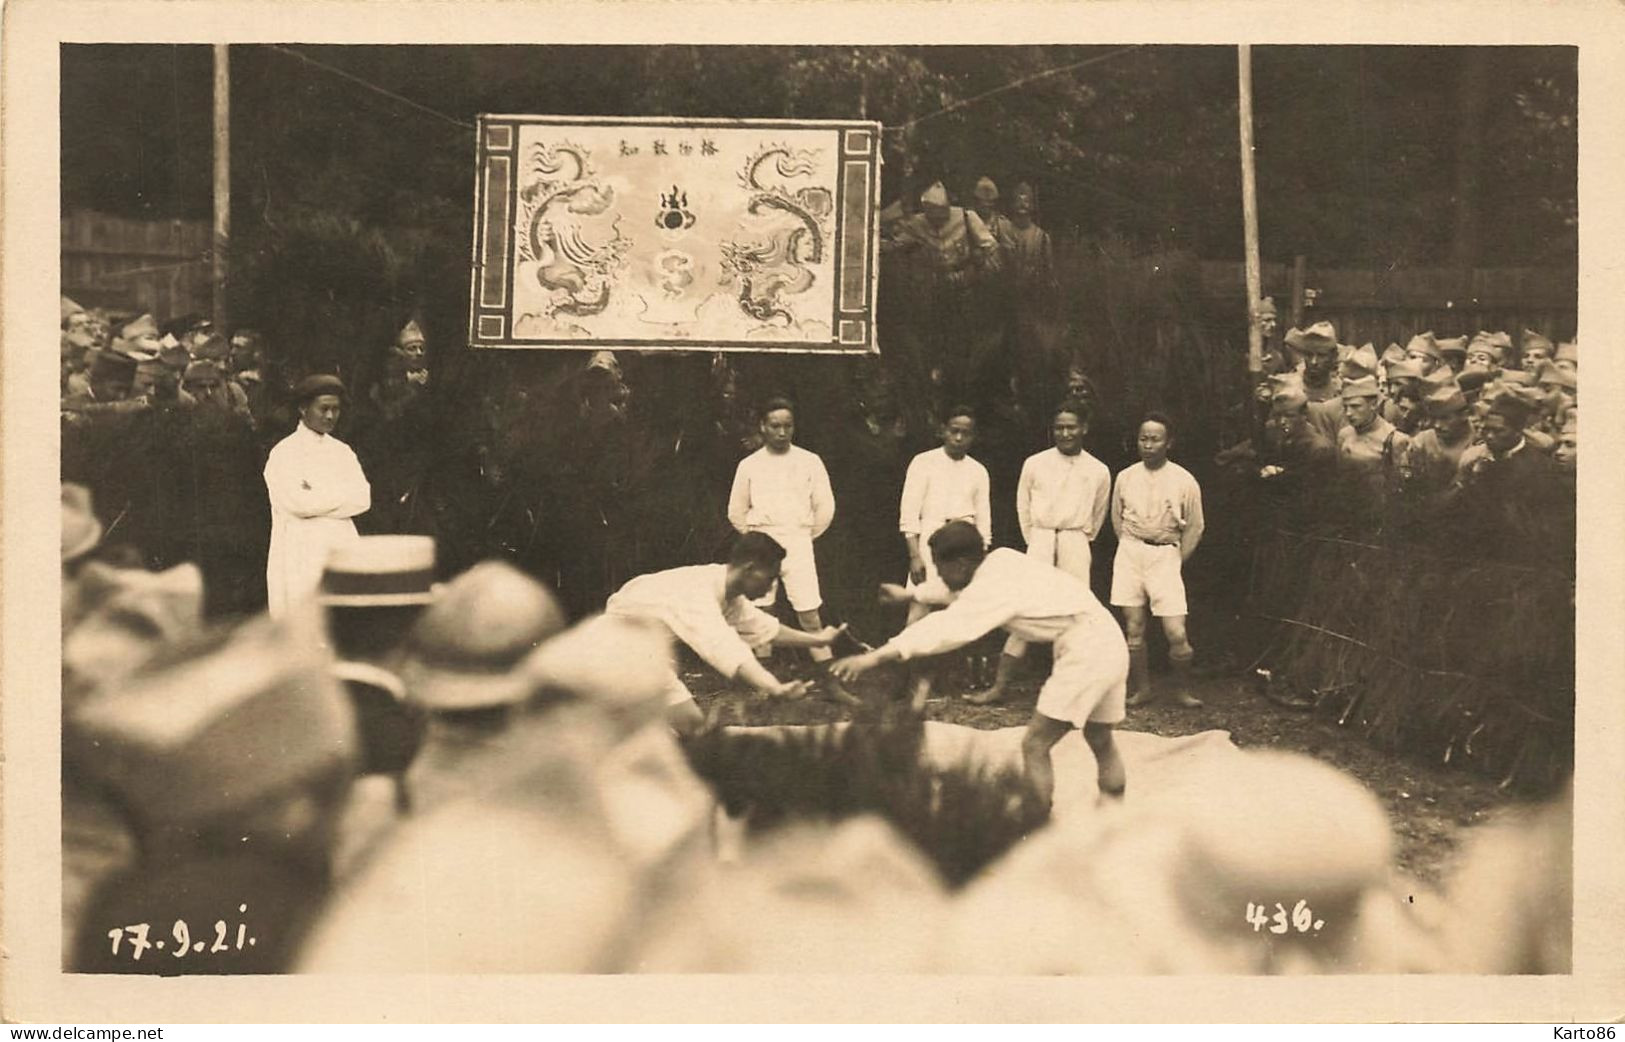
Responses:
[677,692]
[1142,572]
[799,573]
[1089,683]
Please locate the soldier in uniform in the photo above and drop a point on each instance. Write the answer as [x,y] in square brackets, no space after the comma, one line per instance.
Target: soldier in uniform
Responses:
[1368,441]
[1454,352]
[1435,451]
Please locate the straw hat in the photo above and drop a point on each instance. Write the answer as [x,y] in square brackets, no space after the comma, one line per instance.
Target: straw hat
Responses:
[379,571]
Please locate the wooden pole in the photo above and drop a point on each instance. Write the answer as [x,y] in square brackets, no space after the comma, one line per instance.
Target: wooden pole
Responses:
[1300,277]
[1249,213]
[222,181]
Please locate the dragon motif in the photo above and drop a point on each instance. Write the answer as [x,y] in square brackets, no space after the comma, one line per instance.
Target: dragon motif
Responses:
[576,262]
[770,270]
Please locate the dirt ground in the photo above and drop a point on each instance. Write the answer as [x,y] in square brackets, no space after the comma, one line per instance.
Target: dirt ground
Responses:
[1429,804]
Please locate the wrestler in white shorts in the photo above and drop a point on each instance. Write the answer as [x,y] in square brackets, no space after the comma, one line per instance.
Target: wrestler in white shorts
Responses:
[1143,572]
[798,573]
[1089,683]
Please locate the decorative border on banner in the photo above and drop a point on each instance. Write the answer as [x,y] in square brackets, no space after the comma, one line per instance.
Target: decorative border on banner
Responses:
[857,206]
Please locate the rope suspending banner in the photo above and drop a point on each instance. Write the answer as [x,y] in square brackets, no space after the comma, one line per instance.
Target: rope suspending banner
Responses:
[290,52]
[1012,85]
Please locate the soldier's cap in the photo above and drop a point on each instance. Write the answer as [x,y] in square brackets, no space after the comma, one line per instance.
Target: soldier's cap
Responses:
[467,651]
[1392,353]
[1362,361]
[202,369]
[1440,376]
[1552,375]
[1568,351]
[1364,387]
[1427,344]
[1571,423]
[1405,369]
[142,325]
[1447,401]
[1318,339]
[936,195]
[1456,345]
[1288,396]
[377,571]
[1532,339]
[1517,378]
[1473,379]
[986,190]
[211,346]
[1487,342]
[80,529]
[111,363]
[221,732]
[1513,407]
[70,309]
[174,357]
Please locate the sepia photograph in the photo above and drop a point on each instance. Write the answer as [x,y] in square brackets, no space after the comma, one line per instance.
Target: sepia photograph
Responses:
[923,506]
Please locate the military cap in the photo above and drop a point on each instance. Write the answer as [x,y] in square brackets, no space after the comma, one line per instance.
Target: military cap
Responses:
[1406,369]
[1426,344]
[1361,362]
[1391,354]
[936,195]
[1446,401]
[1567,352]
[1364,387]
[1318,339]
[1456,345]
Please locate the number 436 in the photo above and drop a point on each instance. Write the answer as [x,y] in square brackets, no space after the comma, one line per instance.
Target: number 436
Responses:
[1302,918]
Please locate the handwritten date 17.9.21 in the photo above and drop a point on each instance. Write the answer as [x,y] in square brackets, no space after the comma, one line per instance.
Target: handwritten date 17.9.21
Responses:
[135,939]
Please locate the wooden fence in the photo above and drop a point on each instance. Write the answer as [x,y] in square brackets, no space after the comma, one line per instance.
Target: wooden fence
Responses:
[1381,306]
[160,267]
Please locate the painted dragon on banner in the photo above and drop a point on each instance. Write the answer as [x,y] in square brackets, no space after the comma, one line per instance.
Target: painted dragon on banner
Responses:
[790,229]
[574,235]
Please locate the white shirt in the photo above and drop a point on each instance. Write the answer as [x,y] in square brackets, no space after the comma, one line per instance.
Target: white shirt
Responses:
[1062,493]
[1158,506]
[939,489]
[1033,600]
[316,486]
[788,490]
[693,605]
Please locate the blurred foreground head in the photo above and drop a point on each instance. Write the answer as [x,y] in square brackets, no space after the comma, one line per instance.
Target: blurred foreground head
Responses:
[241,742]
[1162,885]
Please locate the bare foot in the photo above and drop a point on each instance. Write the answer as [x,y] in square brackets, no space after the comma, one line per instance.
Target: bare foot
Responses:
[1186,699]
[835,691]
[986,698]
[1140,698]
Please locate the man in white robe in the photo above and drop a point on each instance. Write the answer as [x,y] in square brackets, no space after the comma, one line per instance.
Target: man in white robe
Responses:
[316,486]
[942,485]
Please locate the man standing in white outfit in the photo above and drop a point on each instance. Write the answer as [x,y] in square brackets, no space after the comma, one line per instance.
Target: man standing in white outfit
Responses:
[1037,602]
[783,490]
[316,486]
[1061,500]
[1157,514]
[942,485]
